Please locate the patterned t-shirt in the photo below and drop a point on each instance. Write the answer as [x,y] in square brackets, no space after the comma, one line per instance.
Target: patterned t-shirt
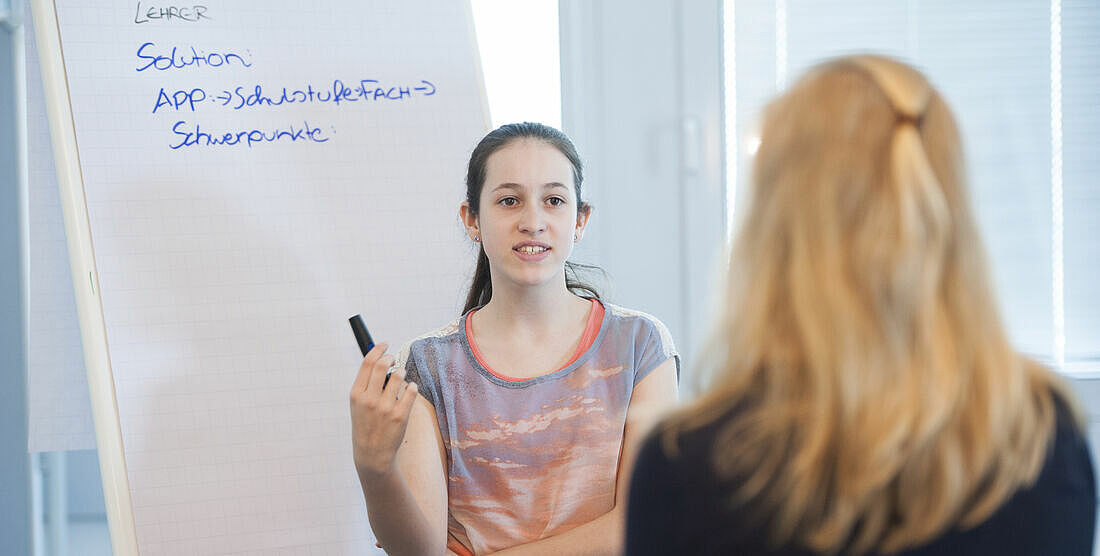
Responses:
[529,459]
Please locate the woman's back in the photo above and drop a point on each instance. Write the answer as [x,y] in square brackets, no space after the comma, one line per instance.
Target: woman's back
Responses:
[697,514]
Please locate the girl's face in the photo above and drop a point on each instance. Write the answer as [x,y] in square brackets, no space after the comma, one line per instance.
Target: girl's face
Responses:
[528,216]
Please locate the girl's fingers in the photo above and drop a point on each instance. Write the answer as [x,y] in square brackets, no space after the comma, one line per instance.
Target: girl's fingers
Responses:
[377,374]
[407,399]
[393,388]
[362,379]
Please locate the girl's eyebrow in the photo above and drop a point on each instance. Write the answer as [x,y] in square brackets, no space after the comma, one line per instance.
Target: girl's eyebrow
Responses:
[510,185]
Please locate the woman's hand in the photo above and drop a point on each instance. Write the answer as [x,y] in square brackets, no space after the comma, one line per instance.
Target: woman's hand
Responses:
[379,415]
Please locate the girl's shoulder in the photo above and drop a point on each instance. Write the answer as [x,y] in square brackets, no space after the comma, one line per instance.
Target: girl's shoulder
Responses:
[420,356]
[643,335]
[446,334]
[638,322]
[626,312]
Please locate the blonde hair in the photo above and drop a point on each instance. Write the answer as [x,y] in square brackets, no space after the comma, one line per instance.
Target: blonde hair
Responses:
[872,399]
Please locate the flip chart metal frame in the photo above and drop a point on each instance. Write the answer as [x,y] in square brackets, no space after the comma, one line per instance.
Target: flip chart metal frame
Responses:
[93,330]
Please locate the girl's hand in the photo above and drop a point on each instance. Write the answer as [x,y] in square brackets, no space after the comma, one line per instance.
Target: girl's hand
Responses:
[379,415]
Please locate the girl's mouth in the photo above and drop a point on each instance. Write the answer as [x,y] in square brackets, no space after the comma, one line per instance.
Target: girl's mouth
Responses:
[529,251]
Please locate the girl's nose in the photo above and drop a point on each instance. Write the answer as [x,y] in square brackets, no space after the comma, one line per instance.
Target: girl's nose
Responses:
[532,221]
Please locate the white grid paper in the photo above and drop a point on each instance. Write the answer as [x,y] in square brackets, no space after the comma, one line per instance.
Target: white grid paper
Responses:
[228,273]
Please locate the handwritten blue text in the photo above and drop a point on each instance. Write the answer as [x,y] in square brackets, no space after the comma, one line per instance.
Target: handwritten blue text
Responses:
[193,135]
[255,96]
[188,57]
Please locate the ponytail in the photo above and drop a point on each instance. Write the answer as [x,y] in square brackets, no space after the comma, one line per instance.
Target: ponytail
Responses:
[481,287]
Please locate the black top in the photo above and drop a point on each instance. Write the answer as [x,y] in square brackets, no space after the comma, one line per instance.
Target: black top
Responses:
[677,506]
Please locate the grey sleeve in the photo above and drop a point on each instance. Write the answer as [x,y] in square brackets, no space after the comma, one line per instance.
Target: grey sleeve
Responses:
[654,347]
[411,357]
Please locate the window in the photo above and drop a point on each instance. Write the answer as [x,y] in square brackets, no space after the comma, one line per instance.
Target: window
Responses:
[520,59]
[1022,80]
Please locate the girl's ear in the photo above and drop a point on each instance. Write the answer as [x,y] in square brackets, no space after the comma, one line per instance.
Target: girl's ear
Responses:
[583,214]
[469,221]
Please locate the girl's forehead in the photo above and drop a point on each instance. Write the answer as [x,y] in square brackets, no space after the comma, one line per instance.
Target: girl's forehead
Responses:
[528,162]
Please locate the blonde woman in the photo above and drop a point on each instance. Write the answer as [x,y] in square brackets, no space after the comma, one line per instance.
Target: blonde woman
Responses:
[863,397]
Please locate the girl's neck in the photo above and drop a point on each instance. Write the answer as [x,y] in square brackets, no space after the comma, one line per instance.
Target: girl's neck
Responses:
[532,309]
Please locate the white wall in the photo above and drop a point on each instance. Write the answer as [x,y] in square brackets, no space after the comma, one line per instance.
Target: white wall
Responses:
[641,97]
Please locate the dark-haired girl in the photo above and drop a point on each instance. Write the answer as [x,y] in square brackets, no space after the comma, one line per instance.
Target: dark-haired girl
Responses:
[518,423]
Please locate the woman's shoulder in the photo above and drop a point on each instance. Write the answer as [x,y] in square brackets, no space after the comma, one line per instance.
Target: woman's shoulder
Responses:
[684,443]
[674,468]
[1069,459]
[1053,515]
[1068,464]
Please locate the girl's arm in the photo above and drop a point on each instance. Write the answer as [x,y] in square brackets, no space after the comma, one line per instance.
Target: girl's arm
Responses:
[652,398]
[408,509]
[399,457]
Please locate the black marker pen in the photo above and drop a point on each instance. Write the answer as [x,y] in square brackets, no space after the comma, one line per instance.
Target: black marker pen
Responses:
[365,342]
[361,334]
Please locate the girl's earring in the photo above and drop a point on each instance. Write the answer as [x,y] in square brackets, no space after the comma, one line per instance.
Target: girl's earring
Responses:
[576,238]
[477,239]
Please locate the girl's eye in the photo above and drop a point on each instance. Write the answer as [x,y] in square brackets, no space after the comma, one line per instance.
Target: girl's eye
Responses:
[509,201]
[556,201]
